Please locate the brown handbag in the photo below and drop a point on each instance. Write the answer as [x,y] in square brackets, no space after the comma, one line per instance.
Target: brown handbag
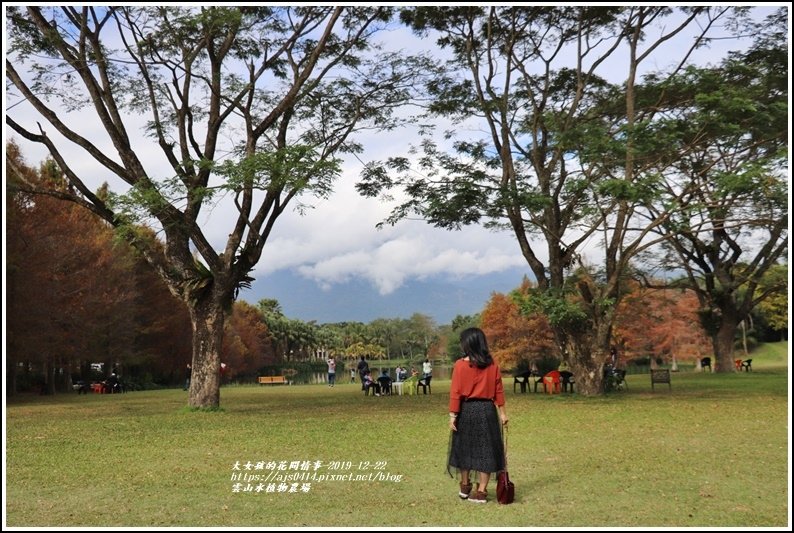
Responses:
[505,489]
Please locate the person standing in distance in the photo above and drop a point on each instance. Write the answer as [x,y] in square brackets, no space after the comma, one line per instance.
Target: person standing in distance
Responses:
[427,369]
[363,368]
[475,396]
[331,371]
[188,373]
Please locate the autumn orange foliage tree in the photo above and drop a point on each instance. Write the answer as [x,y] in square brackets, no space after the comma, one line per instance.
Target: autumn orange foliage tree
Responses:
[75,296]
[515,339]
[660,323]
[650,323]
[247,343]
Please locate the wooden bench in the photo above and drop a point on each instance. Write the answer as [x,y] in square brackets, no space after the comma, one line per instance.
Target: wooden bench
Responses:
[273,380]
[660,375]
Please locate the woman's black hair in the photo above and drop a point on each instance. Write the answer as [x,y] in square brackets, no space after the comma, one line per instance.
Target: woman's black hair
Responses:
[474,345]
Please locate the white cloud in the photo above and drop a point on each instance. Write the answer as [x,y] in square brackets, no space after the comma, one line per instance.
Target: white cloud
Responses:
[389,265]
[338,241]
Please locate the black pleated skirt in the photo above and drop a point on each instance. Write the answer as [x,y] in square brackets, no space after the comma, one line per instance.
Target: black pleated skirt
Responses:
[477,444]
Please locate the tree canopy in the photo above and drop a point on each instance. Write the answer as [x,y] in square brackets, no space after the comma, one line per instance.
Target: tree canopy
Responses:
[727,132]
[252,104]
[560,137]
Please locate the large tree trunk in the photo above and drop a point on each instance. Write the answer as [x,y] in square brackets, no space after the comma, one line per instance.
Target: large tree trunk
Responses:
[723,342]
[588,354]
[207,317]
[589,375]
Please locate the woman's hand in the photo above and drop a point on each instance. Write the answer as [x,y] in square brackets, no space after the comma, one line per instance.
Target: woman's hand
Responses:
[504,419]
[452,423]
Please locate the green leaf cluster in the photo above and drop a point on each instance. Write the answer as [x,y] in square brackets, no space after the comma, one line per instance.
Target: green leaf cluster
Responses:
[296,168]
[559,308]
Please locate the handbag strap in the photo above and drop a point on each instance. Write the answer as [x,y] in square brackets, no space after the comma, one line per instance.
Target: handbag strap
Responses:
[504,438]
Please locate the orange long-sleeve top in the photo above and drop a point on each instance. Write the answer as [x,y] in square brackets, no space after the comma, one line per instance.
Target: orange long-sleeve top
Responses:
[468,381]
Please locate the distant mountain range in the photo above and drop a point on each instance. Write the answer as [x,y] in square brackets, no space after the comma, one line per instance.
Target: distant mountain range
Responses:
[442,298]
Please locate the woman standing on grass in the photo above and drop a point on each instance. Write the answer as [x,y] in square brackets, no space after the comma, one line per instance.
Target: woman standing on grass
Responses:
[475,395]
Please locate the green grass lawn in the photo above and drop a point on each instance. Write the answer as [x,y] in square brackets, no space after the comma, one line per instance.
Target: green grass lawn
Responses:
[711,453]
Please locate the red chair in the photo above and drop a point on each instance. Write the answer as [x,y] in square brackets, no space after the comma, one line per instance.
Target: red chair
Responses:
[552,382]
[737,363]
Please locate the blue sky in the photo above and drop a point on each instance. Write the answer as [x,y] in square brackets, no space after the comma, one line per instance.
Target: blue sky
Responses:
[441,297]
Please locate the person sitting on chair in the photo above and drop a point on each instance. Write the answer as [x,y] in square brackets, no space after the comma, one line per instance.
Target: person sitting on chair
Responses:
[113,384]
[384,380]
[369,383]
